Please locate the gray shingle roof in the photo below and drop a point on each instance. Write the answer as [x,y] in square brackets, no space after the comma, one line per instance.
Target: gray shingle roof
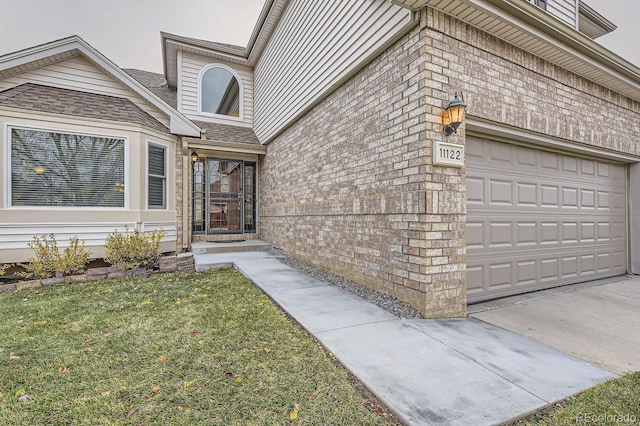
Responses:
[35,97]
[226,133]
[157,84]
[219,132]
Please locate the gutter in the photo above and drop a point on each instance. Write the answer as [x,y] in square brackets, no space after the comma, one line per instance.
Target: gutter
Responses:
[565,34]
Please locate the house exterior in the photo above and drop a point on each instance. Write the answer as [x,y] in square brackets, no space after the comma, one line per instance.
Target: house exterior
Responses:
[325,137]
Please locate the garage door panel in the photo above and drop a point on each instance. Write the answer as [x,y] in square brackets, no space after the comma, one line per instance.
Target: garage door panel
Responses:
[541,219]
[501,192]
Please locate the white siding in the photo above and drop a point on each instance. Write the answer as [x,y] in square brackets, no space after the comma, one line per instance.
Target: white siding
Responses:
[316,45]
[79,74]
[14,238]
[565,10]
[17,236]
[192,65]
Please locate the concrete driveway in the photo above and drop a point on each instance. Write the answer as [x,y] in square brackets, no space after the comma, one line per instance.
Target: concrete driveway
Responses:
[597,321]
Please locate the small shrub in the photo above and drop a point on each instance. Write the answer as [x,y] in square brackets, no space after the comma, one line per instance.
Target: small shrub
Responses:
[47,261]
[3,268]
[133,249]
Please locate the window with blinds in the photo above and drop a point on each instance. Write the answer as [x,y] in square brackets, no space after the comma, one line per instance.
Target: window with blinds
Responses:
[157,180]
[66,170]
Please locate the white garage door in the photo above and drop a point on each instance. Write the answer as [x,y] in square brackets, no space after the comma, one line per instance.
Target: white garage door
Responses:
[539,219]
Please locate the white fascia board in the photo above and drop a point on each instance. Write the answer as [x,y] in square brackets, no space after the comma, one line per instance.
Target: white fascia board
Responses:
[36,53]
[177,121]
[212,52]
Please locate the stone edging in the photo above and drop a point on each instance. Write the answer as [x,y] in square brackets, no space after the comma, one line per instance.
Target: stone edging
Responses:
[182,262]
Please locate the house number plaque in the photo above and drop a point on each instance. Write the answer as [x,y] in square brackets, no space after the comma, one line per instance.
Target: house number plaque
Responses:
[448,154]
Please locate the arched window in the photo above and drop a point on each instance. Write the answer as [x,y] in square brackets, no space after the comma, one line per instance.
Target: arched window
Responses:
[220,92]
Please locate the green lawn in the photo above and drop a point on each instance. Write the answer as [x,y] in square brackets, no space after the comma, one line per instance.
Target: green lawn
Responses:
[616,402]
[193,348]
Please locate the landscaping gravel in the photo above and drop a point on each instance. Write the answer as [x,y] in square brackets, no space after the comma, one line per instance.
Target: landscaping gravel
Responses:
[384,301]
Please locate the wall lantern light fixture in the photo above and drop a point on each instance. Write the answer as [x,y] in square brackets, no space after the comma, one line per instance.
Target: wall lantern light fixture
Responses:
[194,156]
[454,115]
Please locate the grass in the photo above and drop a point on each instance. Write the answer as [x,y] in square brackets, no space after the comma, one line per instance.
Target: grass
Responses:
[615,402]
[183,349]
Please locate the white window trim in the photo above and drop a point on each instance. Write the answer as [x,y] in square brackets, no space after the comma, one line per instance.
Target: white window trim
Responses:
[240,88]
[7,167]
[167,183]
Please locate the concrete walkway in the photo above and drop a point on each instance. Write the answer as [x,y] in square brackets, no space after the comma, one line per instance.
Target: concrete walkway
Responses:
[598,321]
[429,372]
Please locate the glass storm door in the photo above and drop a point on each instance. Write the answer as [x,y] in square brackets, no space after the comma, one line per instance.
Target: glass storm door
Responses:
[225,196]
[226,203]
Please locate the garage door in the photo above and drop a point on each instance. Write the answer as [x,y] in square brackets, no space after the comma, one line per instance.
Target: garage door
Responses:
[539,219]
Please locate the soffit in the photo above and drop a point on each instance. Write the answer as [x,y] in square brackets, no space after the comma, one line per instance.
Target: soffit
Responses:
[536,31]
[173,44]
[592,23]
[39,63]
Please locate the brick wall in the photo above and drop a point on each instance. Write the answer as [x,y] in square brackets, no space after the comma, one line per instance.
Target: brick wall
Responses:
[351,187]
[508,85]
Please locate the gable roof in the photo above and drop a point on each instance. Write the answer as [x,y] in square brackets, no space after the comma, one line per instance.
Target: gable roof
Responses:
[59,50]
[515,21]
[157,84]
[36,97]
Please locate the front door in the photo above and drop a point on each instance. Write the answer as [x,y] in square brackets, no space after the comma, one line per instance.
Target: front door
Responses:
[224,196]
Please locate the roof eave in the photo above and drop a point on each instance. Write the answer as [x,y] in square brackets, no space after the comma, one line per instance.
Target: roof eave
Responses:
[178,122]
[590,14]
[539,24]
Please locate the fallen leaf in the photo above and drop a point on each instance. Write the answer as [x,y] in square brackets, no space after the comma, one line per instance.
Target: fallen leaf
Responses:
[180,408]
[105,393]
[228,374]
[239,379]
[156,389]
[266,350]
[194,333]
[310,397]
[24,397]
[161,358]
[62,368]
[187,384]
[14,358]
[1,394]
[87,349]
[296,407]
[146,302]
[293,415]
[130,412]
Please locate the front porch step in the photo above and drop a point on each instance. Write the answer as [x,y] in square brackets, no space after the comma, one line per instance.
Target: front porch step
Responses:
[208,247]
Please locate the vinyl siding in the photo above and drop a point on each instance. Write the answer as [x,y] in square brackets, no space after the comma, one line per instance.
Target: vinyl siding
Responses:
[14,237]
[18,224]
[316,45]
[192,65]
[565,10]
[79,74]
